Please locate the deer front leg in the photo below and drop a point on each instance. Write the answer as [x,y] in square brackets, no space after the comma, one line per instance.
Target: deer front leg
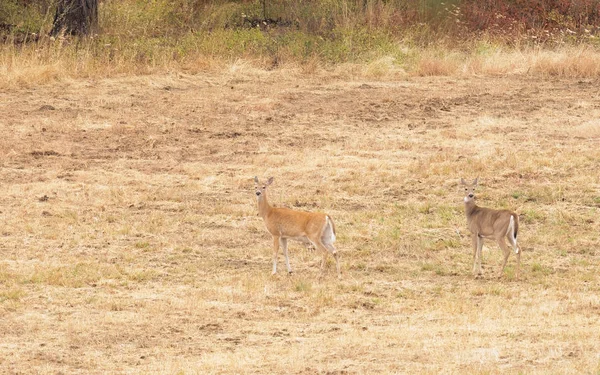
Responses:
[275,253]
[284,243]
[476,254]
[480,253]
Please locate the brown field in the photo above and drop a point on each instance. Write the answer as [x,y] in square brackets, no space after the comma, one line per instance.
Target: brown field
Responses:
[131,241]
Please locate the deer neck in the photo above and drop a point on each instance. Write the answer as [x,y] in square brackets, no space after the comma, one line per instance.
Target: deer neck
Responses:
[470,208]
[263,205]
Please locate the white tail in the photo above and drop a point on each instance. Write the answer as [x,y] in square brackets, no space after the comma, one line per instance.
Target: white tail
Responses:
[511,233]
[284,224]
[489,223]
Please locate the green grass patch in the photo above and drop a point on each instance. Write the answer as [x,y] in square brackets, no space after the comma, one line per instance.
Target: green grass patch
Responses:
[142,275]
[14,294]
[144,246]
[436,268]
[303,286]
[74,276]
[532,216]
[540,269]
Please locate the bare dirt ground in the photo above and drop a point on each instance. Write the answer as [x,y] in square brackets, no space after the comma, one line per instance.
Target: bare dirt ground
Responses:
[130,241]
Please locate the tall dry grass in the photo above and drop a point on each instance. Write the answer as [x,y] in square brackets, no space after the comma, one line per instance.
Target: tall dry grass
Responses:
[53,61]
[375,38]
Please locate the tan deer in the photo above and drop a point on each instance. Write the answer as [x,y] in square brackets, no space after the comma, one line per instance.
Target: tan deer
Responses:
[489,223]
[285,224]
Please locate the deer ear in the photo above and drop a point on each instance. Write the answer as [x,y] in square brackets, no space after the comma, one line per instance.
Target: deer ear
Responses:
[475,181]
[462,181]
[256,180]
[269,181]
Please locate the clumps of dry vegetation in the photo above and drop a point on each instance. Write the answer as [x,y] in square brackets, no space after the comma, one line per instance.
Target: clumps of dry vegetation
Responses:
[394,38]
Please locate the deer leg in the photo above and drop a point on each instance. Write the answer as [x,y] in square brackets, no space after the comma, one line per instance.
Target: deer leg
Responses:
[275,253]
[519,264]
[283,242]
[506,252]
[337,258]
[517,249]
[320,246]
[309,245]
[475,247]
[479,253]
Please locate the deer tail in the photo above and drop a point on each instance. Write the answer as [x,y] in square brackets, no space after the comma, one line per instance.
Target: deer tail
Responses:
[329,224]
[513,231]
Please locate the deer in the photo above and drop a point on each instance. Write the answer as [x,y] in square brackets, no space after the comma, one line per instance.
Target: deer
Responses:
[286,224]
[490,223]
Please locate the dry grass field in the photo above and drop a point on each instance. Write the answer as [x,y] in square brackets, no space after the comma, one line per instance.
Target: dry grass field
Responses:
[130,240]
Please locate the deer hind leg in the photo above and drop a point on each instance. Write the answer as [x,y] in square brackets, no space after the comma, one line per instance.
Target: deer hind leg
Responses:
[519,264]
[328,238]
[517,249]
[284,244]
[323,261]
[321,247]
[335,254]
[506,252]
[275,253]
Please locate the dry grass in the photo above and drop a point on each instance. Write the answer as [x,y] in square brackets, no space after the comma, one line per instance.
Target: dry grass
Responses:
[131,241]
[48,62]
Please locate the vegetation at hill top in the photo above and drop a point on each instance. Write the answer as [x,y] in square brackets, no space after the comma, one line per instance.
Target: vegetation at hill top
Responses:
[419,37]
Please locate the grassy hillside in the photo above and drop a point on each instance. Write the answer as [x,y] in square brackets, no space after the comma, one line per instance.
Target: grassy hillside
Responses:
[131,242]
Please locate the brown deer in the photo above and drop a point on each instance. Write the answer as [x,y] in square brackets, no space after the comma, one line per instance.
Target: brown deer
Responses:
[285,224]
[489,223]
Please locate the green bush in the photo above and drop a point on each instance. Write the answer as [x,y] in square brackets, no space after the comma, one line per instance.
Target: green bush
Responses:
[24,16]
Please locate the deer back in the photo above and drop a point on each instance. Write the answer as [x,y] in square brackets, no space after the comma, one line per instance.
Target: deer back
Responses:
[290,223]
[488,222]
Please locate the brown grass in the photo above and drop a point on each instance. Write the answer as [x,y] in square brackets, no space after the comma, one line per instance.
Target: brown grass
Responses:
[131,241]
[48,62]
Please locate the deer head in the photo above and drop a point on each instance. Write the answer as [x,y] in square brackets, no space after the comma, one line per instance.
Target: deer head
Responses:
[260,190]
[469,189]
